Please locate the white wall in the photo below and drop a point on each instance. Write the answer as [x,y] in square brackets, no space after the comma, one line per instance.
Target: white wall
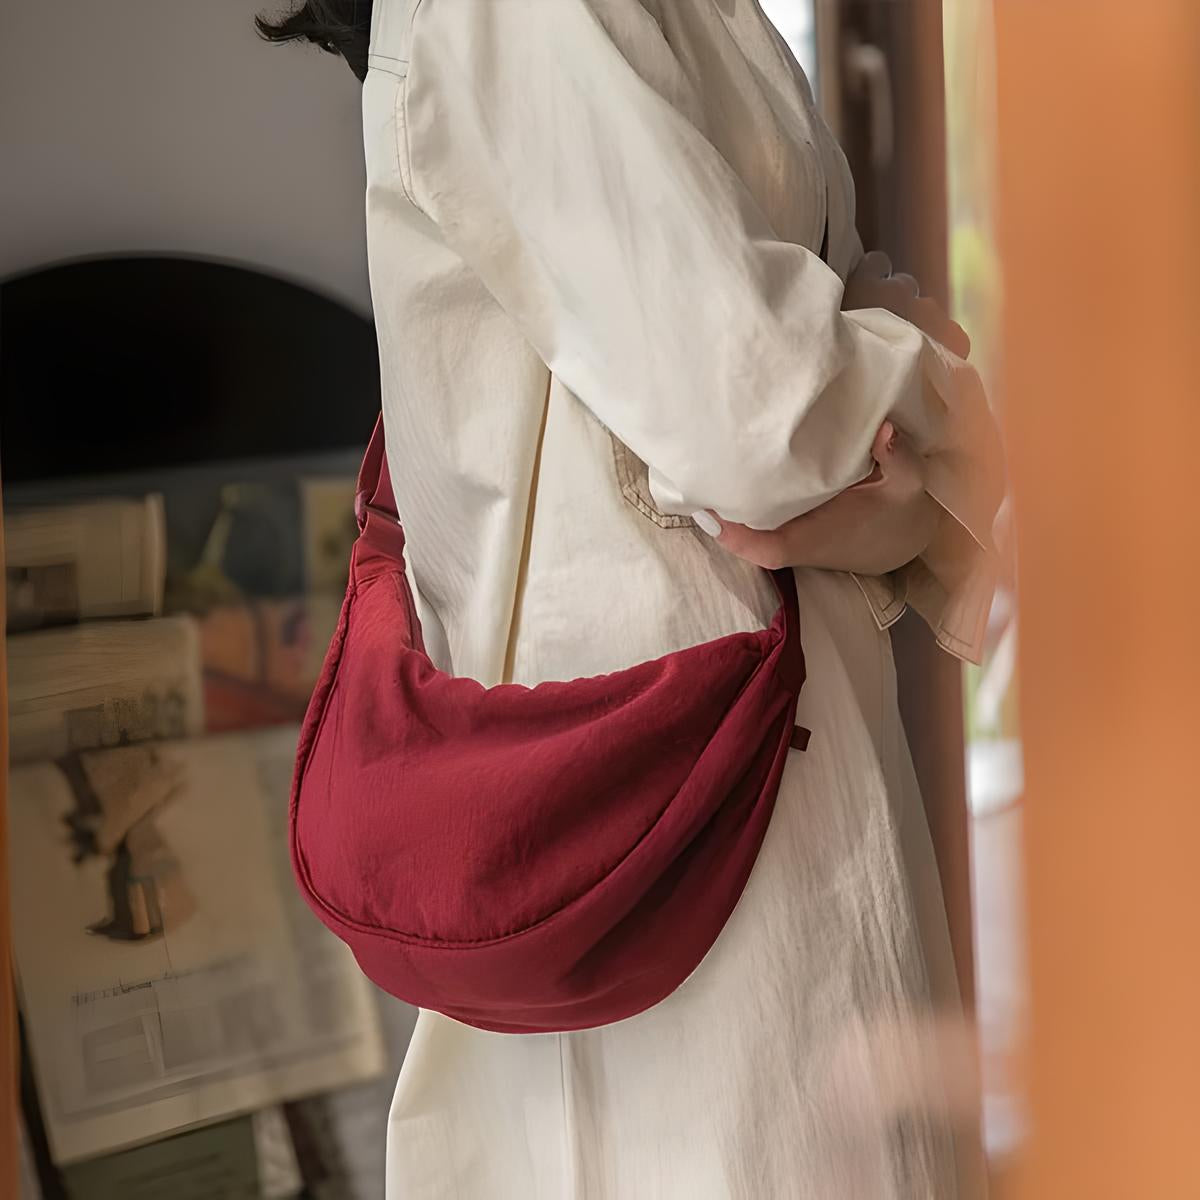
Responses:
[796,20]
[170,126]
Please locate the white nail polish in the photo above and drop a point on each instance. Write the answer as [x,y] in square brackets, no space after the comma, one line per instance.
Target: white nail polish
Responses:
[707,522]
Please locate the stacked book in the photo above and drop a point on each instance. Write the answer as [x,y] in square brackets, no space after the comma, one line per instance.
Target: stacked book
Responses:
[179,998]
[106,558]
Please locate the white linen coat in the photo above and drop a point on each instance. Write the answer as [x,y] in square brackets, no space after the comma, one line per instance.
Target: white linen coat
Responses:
[592,228]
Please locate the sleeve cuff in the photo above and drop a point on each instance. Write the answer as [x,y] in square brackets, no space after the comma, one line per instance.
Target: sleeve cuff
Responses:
[950,586]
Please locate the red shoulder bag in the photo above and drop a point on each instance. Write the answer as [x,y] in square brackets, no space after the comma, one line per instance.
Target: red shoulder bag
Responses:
[531,859]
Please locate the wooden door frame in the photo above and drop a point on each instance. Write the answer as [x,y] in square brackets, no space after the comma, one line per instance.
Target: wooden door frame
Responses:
[902,210]
[9,1104]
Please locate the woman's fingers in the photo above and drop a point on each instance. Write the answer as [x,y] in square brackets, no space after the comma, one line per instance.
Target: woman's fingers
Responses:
[763,547]
[866,286]
[875,264]
[885,441]
[873,286]
[875,526]
[928,316]
[957,340]
[805,539]
[825,536]
[877,292]
[902,466]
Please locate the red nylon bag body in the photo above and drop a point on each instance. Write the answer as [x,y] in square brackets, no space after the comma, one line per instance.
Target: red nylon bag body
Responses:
[531,859]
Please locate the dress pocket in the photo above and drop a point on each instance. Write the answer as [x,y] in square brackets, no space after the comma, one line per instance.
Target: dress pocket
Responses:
[633,478]
[403,159]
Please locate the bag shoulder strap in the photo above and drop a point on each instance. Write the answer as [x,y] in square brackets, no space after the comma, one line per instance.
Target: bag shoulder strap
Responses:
[373,492]
[374,489]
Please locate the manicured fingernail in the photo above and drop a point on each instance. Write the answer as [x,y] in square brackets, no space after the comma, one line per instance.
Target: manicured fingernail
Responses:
[707,522]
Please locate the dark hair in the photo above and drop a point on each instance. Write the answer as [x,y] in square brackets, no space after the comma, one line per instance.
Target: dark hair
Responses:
[338,26]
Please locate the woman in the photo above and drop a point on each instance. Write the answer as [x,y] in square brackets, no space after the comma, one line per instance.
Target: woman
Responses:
[609,243]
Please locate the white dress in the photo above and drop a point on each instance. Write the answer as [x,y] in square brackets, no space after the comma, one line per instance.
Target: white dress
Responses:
[592,228]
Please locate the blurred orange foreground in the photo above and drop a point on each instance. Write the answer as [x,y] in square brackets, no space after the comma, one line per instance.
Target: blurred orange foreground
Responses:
[1099,167]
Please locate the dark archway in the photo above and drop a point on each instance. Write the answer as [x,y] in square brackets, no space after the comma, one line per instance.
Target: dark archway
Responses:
[117,365]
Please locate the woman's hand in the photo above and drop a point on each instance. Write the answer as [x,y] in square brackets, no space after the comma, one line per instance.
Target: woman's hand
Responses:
[872,285]
[875,526]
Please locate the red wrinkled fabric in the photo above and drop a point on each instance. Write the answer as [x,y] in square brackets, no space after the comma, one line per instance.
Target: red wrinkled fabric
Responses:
[530,860]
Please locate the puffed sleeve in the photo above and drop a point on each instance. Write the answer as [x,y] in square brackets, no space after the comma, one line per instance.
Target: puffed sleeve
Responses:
[557,146]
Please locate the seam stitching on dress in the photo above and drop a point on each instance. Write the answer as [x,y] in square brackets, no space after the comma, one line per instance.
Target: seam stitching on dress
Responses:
[403,160]
[629,481]
[406,179]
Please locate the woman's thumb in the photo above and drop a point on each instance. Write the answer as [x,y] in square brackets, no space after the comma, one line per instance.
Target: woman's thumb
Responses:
[902,465]
[885,442]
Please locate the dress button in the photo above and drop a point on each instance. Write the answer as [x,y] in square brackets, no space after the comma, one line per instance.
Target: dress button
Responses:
[800,737]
